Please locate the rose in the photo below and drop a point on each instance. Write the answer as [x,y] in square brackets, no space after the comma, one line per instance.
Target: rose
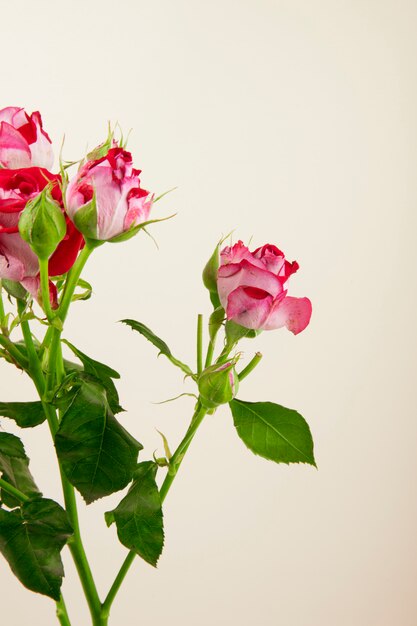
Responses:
[105,199]
[251,287]
[23,142]
[17,261]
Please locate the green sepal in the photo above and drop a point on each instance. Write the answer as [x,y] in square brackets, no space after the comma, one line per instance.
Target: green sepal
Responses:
[216,321]
[273,431]
[97,454]
[31,539]
[158,343]
[138,516]
[14,289]
[102,149]
[25,414]
[14,468]
[85,218]
[133,230]
[235,332]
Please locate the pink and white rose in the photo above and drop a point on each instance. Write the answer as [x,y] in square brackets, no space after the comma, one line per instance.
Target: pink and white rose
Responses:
[252,289]
[23,142]
[105,200]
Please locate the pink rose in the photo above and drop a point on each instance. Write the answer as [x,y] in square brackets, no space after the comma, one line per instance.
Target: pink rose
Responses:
[105,199]
[23,142]
[17,261]
[251,288]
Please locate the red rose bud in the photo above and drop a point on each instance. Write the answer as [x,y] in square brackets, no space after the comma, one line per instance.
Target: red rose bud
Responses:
[252,289]
[42,224]
[23,142]
[105,200]
[218,384]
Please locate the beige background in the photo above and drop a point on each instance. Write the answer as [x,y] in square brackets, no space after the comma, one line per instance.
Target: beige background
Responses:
[293,122]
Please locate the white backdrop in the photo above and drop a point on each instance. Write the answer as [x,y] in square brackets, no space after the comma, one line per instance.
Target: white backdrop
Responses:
[293,122]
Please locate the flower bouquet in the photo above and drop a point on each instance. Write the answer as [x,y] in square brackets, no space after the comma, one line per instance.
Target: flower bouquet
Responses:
[50,224]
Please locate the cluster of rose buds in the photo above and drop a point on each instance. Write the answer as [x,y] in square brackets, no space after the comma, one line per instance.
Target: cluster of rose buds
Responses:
[103,202]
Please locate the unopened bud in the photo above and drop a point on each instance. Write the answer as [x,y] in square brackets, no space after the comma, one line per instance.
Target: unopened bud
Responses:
[218,384]
[42,224]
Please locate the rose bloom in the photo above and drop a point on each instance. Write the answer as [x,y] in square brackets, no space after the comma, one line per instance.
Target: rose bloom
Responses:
[252,289]
[23,142]
[113,186]
[17,261]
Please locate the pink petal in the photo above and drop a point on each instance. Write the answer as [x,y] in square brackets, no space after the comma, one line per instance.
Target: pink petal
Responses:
[244,274]
[33,286]
[249,307]
[14,149]
[41,149]
[19,255]
[294,313]
[7,114]
[10,267]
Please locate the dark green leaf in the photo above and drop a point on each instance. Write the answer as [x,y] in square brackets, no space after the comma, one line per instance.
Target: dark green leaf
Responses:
[14,467]
[138,517]
[102,373]
[91,365]
[25,414]
[98,455]
[31,539]
[274,432]
[157,342]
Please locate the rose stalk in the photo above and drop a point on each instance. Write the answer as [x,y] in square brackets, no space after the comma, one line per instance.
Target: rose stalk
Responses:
[50,224]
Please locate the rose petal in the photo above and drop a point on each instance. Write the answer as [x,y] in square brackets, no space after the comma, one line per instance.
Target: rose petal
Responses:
[244,274]
[14,150]
[294,313]
[249,307]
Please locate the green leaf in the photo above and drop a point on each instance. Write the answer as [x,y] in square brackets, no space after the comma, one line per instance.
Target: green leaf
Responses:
[158,343]
[92,366]
[98,455]
[103,373]
[138,517]
[25,414]
[14,467]
[31,539]
[274,432]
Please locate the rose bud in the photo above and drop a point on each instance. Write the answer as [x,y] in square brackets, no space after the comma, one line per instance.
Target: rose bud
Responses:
[23,142]
[252,289]
[105,200]
[18,262]
[218,384]
[42,224]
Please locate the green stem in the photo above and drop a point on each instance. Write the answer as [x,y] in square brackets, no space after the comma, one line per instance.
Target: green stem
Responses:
[46,300]
[14,352]
[62,613]
[199,343]
[2,312]
[175,463]
[72,280]
[34,363]
[210,352]
[250,366]
[16,493]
